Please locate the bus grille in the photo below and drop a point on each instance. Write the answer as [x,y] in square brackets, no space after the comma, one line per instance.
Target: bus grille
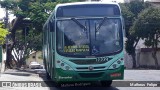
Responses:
[90,61]
[86,68]
[91,75]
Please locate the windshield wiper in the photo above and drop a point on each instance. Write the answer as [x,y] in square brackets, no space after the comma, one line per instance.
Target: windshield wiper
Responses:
[80,25]
[97,28]
[101,23]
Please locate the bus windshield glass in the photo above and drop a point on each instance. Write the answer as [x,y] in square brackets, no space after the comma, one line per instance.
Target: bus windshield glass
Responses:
[89,37]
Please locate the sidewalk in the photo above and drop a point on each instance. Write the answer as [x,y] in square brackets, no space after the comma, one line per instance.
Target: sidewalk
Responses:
[2,67]
[16,75]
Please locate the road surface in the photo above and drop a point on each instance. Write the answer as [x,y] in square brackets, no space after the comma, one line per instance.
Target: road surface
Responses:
[39,75]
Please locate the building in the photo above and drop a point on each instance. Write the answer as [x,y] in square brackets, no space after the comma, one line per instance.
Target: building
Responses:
[154,2]
[127,1]
[106,0]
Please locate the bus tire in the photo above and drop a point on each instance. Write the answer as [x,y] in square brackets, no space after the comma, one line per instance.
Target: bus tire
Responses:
[106,83]
[57,84]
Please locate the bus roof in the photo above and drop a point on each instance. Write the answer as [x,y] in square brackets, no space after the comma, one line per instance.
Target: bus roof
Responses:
[80,3]
[84,3]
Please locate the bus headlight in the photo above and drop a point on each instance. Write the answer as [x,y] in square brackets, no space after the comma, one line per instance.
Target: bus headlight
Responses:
[119,62]
[63,65]
[116,64]
[67,67]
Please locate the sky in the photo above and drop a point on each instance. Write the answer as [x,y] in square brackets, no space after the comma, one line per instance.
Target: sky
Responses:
[2,12]
[2,15]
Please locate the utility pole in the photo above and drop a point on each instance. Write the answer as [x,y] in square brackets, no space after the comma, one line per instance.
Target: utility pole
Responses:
[6,26]
[6,18]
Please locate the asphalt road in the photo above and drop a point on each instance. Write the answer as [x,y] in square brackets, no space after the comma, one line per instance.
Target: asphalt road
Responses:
[39,75]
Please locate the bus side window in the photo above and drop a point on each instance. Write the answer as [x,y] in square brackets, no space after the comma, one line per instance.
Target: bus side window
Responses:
[52,26]
[123,27]
[52,29]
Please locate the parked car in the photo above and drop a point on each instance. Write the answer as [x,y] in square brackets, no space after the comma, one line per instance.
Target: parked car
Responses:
[35,65]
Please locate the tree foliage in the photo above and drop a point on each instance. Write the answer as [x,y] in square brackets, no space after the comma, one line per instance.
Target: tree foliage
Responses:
[147,27]
[25,44]
[130,13]
[3,33]
[37,12]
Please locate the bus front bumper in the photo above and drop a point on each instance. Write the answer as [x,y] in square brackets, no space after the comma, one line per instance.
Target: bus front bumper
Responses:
[71,76]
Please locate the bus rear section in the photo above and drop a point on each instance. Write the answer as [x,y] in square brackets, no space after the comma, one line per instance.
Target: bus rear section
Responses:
[88,45]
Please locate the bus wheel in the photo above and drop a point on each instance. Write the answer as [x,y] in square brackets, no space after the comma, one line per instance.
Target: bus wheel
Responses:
[57,84]
[106,83]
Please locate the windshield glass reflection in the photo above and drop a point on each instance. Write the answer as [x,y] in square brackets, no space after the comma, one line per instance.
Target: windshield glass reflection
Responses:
[89,37]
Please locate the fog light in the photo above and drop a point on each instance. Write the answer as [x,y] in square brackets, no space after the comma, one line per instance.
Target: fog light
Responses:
[118,62]
[67,67]
[58,61]
[62,64]
[114,66]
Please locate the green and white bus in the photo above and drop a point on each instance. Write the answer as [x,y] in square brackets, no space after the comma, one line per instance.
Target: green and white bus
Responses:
[83,41]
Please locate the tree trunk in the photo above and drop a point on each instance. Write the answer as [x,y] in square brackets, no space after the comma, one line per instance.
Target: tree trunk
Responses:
[20,63]
[155,49]
[154,55]
[8,58]
[134,60]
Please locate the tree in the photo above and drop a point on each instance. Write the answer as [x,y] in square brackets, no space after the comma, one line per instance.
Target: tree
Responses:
[25,45]
[130,13]
[3,33]
[147,27]
[37,11]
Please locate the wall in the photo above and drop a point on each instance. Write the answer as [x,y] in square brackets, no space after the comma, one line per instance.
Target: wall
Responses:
[145,59]
[128,61]
[2,60]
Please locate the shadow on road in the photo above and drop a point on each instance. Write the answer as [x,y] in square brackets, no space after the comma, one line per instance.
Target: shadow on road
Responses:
[72,86]
[84,88]
[62,86]
[18,72]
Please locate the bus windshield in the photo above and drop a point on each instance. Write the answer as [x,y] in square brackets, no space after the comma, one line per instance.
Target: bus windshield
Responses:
[89,37]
